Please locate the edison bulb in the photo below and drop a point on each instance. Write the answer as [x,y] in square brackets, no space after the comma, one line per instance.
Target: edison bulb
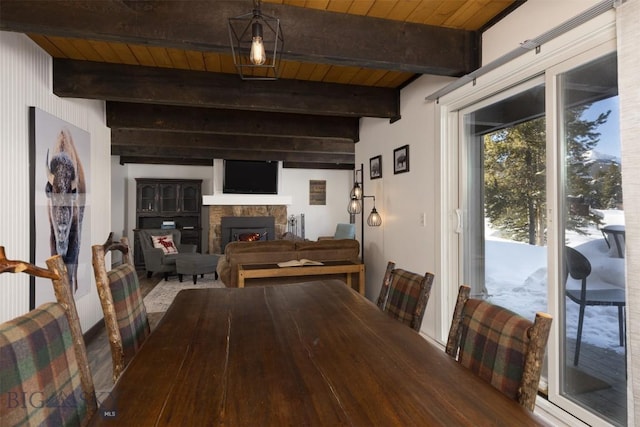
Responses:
[257,56]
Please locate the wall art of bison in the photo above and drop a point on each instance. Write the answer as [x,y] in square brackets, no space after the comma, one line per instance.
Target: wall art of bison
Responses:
[65,190]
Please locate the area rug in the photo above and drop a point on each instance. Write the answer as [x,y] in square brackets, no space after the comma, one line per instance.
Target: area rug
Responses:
[578,382]
[161,296]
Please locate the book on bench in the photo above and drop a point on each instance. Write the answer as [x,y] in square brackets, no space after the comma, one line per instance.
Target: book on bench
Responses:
[298,263]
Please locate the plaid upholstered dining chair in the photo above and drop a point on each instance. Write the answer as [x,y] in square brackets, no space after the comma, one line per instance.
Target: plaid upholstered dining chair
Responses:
[404,295]
[499,346]
[44,374]
[125,315]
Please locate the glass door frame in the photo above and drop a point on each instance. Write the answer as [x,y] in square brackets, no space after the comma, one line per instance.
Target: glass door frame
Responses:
[591,41]
[466,178]
[556,209]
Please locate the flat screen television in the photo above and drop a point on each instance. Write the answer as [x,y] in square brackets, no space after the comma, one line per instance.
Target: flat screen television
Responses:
[250,177]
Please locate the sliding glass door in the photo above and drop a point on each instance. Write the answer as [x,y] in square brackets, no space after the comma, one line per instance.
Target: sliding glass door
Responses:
[505,199]
[592,283]
[543,223]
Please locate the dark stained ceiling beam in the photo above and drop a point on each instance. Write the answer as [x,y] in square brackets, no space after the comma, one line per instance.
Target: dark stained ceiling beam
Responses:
[165,161]
[206,153]
[233,122]
[128,83]
[310,35]
[302,165]
[178,140]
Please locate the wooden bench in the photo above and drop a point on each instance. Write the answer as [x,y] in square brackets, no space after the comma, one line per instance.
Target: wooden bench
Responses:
[254,271]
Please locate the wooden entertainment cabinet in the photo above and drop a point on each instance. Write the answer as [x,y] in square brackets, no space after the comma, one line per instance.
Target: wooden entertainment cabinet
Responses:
[178,200]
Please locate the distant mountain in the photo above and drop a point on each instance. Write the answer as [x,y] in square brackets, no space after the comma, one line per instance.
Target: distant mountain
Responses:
[599,163]
[599,157]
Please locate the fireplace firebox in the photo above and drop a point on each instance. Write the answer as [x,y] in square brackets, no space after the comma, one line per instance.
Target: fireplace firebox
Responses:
[233,228]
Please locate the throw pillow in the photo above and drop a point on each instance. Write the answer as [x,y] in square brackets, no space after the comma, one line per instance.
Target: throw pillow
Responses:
[165,243]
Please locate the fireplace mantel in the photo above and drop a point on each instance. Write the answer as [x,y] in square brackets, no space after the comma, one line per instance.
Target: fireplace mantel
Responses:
[246,199]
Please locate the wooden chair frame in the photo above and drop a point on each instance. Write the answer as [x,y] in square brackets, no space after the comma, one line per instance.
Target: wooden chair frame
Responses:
[57,272]
[538,335]
[106,298]
[425,286]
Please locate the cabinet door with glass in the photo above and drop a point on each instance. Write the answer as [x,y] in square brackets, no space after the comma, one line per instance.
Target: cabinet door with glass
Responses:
[169,197]
[147,200]
[189,197]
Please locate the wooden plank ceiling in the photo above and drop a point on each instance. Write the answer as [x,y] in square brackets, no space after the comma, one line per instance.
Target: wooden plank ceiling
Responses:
[173,95]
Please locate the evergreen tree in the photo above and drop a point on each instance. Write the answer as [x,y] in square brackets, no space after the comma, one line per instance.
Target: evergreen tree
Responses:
[580,137]
[611,183]
[515,174]
[515,180]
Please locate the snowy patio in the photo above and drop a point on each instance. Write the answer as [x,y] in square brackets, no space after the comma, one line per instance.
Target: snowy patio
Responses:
[516,278]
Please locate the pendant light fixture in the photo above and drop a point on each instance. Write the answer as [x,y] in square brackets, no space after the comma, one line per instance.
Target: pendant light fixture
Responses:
[256,44]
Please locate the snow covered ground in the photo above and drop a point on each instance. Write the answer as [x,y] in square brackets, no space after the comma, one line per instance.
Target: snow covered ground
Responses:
[516,278]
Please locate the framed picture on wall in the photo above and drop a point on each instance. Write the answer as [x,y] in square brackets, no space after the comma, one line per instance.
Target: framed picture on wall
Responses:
[60,156]
[317,192]
[401,159]
[375,167]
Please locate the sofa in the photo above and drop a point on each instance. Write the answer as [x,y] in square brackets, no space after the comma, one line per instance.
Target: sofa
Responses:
[274,251]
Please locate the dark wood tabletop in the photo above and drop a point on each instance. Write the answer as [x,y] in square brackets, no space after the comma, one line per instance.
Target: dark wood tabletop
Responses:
[315,353]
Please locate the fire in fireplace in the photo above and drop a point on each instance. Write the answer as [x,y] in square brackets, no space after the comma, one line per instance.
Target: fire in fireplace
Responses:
[246,228]
[251,236]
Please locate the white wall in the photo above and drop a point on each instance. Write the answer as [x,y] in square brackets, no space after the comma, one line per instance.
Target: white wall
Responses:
[320,220]
[403,199]
[533,18]
[25,80]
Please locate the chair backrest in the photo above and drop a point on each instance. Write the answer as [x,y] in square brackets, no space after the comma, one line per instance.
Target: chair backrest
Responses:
[44,374]
[125,315]
[499,346]
[345,231]
[404,295]
[147,234]
[577,265]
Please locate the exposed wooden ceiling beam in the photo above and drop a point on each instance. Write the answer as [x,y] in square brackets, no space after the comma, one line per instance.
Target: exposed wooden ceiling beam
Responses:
[233,122]
[206,153]
[310,35]
[178,140]
[165,161]
[302,165]
[115,82]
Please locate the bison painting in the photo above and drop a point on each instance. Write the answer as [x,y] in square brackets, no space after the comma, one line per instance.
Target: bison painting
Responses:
[401,159]
[65,190]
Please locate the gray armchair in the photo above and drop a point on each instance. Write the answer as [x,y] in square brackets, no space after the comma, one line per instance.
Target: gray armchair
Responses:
[155,260]
[343,231]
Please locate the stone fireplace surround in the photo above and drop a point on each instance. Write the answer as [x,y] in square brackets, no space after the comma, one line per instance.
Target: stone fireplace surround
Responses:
[216,212]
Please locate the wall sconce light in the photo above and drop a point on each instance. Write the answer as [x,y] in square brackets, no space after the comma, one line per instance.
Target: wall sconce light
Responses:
[256,44]
[354,207]
[374,219]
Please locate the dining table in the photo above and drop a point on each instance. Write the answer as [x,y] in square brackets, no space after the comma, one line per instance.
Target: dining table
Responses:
[306,354]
